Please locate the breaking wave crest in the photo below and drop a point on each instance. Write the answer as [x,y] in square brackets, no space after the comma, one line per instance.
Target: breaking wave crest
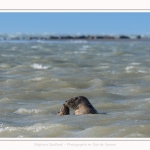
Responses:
[27,111]
[39,66]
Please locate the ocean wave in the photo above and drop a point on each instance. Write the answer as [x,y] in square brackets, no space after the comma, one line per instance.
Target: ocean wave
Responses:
[96,83]
[142,71]
[36,79]
[5,55]
[135,68]
[5,100]
[38,130]
[79,52]
[135,63]
[39,66]
[129,68]
[78,41]
[7,66]
[62,130]
[24,111]
[114,131]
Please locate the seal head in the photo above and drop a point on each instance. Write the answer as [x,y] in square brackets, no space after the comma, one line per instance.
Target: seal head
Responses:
[81,105]
[64,110]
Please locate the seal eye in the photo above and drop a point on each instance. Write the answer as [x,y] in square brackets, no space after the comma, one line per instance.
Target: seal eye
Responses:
[75,98]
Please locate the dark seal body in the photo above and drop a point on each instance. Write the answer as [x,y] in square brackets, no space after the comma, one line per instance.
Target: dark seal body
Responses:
[64,110]
[81,105]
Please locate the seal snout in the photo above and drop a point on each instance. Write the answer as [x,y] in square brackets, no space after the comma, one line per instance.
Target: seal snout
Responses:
[66,102]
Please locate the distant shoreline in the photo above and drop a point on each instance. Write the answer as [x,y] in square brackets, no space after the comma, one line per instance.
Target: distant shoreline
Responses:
[69,37]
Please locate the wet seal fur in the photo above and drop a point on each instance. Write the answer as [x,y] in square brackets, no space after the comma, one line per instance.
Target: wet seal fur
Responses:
[64,110]
[81,105]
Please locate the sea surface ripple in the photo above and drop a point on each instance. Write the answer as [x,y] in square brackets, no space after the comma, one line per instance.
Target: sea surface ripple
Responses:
[37,77]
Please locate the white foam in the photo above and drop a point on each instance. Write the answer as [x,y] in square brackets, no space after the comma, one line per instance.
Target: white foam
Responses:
[5,100]
[5,66]
[34,47]
[129,68]
[27,111]
[104,67]
[5,55]
[79,52]
[134,63]
[85,47]
[37,79]
[39,66]
[78,41]
[142,71]
[39,129]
